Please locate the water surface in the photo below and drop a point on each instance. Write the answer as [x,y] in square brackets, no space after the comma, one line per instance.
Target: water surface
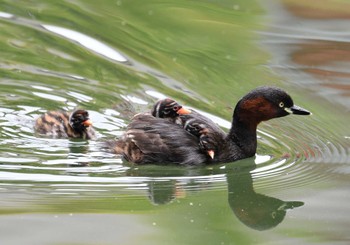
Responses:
[116,58]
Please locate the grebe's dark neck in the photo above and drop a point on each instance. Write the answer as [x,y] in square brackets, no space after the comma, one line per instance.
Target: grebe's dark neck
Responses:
[243,131]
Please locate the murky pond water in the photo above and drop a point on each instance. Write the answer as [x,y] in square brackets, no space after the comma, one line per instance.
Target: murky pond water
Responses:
[116,58]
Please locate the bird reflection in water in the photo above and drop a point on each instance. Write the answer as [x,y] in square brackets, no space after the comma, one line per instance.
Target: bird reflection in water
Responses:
[78,148]
[256,211]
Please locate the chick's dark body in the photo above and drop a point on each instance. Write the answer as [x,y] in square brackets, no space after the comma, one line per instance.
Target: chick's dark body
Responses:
[154,140]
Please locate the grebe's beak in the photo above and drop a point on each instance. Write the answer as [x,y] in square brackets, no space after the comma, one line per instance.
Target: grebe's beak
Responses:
[211,153]
[87,123]
[297,110]
[183,111]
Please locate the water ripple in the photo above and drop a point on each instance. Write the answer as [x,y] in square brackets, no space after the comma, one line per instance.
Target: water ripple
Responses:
[88,42]
[287,158]
[291,151]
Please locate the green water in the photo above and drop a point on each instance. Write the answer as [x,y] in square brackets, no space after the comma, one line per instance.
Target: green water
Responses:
[116,58]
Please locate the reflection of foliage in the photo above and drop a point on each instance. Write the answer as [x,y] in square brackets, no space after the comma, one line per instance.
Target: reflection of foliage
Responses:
[199,44]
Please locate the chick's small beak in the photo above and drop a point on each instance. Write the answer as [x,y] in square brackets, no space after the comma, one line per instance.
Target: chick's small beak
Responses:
[183,111]
[211,153]
[297,110]
[87,123]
